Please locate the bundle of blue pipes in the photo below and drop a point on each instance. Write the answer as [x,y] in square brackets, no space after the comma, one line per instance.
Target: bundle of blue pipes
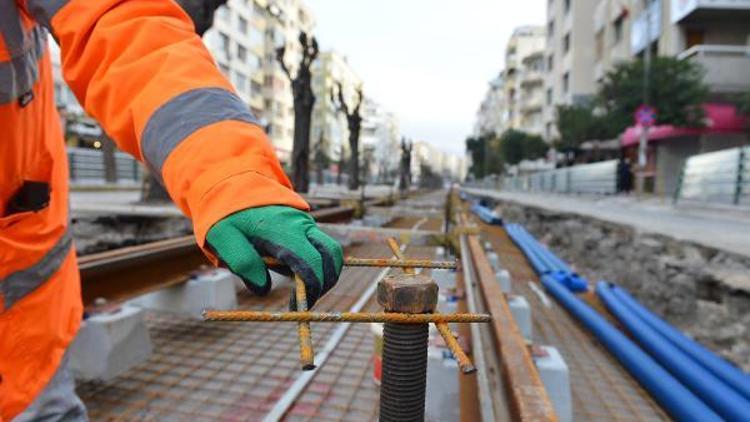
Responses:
[689,381]
[544,262]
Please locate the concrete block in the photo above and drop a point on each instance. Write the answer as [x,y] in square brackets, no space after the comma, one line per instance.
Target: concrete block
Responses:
[442,389]
[110,343]
[445,279]
[494,260]
[556,379]
[212,289]
[521,311]
[503,277]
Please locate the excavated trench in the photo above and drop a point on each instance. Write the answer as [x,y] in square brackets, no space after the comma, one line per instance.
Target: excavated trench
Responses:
[703,291]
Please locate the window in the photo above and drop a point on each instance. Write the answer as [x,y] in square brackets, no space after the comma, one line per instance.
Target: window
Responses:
[223,13]
[240,82]
[550,28]
[567,6]
[224,69]
[256,37]
[566,43]
[255,87]
[618,25]
[550,62]
[254,63]
[241,53]
[599,45]
[566,82]
[549,96]
[242,25]
[224,41]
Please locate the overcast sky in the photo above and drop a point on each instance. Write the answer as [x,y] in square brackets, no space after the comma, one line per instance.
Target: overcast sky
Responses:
[428,61]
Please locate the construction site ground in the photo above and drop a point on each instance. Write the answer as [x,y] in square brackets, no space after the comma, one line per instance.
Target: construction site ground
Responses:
[601,389]
[232,371]
[235,371]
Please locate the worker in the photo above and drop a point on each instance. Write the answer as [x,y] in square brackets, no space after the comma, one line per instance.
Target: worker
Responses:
[138,67]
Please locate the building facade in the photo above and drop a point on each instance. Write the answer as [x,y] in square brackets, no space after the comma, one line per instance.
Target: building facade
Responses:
[380,137]
[492,114]
[569,58]
[328,125]
[523,79]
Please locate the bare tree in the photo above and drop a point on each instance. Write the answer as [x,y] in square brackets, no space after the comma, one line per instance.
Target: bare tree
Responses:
[354,123]
[406,148]
[304,100]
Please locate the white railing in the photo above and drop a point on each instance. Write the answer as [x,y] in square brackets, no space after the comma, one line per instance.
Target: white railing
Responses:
[595,178]
[715,50]
[716,177]
[87,167]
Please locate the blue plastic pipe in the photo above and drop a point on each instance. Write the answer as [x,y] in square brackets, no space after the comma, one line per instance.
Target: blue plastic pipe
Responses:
[538,261]
[723,399]
[728,373]
[675,398]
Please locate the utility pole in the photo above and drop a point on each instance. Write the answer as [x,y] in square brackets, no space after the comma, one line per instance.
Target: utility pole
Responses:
[643,142]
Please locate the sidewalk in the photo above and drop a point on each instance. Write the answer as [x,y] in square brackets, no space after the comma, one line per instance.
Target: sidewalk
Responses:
[721,228]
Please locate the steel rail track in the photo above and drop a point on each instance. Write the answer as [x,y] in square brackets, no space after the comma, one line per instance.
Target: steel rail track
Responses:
[124,273]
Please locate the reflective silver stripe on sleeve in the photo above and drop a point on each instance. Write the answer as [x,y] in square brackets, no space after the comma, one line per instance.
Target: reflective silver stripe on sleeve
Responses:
[44,10]
[182,115]
[20,73]
[21,283]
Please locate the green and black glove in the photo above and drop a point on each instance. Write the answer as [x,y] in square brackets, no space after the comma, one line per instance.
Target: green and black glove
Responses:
[289,235]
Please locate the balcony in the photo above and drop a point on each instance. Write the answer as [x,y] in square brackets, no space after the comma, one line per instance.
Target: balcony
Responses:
[727,66]
[698,9]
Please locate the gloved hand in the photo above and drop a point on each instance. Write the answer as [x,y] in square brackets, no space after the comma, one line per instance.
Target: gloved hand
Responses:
[290,235]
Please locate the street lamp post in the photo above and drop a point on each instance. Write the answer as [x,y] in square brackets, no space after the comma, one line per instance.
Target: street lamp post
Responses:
[642,145]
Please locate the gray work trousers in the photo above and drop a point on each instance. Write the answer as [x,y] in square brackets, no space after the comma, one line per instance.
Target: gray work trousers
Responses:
[58,401]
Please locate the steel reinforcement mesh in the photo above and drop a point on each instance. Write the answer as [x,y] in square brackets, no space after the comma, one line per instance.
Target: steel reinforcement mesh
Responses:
[203,371]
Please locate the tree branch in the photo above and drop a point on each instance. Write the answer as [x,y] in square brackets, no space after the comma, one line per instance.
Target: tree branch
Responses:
[280,58]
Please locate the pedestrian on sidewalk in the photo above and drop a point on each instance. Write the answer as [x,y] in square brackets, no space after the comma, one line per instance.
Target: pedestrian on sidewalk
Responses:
[139,68]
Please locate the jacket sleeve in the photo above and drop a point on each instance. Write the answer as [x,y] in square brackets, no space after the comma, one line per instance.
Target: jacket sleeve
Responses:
[138,67]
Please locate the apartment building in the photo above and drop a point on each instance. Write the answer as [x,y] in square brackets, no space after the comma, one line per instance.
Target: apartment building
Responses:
[612,20]
[380,136]
[569,57]
[492,114]
[236,42]
[716,35]
[523,79]
[328,124]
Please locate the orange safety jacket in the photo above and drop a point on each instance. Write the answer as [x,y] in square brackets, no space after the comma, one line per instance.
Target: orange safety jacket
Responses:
[138,68]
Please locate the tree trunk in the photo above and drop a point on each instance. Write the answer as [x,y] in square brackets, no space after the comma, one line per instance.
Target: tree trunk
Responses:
[354,161]
[301,149]
[108,157]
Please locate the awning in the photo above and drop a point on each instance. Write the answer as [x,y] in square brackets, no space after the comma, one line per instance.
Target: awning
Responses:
[720,118]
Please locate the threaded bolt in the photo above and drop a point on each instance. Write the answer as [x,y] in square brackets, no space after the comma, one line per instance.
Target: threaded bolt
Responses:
[404,376]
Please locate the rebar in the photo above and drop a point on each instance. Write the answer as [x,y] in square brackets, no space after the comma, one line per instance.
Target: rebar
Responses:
[382,263]
[306,354]
[467,367]
[383,317]
[464,363]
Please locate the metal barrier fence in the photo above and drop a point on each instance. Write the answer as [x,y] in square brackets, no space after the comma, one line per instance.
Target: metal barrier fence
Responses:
[594,178]
[717,177]
[87,167]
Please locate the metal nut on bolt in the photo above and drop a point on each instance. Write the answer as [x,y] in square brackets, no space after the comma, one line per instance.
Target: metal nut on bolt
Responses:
[408,293]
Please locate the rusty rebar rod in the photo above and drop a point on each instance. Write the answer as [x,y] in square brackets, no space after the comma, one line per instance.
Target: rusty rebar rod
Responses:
[401,318]
[467,367]
[382,263]
[306,354]
[464,363]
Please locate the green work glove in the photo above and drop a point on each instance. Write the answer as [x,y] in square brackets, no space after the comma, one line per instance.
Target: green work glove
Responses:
[289,235]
